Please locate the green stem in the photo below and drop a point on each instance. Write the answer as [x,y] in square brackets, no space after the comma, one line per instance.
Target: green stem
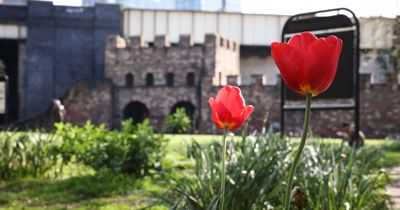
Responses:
[298,153]
[221,207]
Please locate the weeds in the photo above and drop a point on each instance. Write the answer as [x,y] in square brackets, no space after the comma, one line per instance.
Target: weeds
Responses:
[328,177]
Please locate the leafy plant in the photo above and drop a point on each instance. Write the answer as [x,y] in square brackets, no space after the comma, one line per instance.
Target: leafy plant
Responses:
[340,178]
[328,177]
[134,149]
[178,122]
[254,175]
[27,154]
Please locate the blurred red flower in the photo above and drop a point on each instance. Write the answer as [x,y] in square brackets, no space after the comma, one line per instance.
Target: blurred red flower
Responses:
[229,109]
[308,64]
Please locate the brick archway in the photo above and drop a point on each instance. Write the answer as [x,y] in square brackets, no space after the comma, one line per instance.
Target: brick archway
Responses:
[136,111]
[189,108]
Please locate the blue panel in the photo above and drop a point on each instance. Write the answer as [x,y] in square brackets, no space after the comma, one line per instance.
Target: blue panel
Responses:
[64,44]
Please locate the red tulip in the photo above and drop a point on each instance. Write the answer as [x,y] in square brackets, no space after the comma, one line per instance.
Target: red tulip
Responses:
[229,109]
[308,64]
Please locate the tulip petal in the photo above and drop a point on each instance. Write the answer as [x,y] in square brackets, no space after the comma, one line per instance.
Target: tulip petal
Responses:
[221,112]
[290,63]
[246,113]
[232,98]
[302,41]
[235,101]
[323,56]
[243,117]
[215,116]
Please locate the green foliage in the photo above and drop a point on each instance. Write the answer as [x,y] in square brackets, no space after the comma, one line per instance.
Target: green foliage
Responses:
[333,178]
[135,149]
[26,154]
[82,188]
[80,142]
[330,177]
[74,189]
[178,122]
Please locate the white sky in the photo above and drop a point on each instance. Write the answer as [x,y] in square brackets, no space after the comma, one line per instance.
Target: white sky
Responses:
[364,8]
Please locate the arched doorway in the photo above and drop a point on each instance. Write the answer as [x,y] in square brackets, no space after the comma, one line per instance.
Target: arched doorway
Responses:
[136,111]
[189,108]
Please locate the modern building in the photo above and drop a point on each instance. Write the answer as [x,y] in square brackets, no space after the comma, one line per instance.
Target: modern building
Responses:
[14,2]
[47,48]
[189,5]
[209,5]
[147,4]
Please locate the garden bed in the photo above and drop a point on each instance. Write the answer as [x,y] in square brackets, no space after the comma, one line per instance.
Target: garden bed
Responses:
[81,187]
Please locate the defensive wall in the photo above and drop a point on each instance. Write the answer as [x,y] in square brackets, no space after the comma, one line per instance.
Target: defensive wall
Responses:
[130,62]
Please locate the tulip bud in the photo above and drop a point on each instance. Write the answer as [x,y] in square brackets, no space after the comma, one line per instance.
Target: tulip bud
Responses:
[298,196]
[229,109]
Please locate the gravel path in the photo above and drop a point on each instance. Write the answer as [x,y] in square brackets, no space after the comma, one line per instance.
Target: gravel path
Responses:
[394,189]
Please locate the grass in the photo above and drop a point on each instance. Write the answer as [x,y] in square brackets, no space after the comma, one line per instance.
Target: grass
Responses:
[87,190]
[176,149]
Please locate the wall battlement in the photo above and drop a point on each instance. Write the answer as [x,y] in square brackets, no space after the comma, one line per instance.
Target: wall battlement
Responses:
[221,53]
[216,63]
[133,57]
[163,41]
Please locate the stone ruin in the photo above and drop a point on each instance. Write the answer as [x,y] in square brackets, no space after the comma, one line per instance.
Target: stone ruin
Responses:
[150,80]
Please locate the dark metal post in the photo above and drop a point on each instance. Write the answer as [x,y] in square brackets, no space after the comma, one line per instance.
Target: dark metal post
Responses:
[282,107]
[4,98]
[356,90]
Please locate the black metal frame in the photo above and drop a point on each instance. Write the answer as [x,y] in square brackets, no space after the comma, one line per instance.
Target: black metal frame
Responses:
[4,78]
[356,64]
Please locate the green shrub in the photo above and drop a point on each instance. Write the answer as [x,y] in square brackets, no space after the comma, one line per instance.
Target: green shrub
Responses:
[333,178]
[27,154]
[178,122]
[134,149]
[330,177]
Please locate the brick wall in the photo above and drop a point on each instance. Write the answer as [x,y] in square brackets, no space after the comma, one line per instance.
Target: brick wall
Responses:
[84,103]
[380,107]
[210,64]
[380,103]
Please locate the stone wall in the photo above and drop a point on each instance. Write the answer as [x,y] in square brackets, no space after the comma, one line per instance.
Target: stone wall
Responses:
[135,60]
[379,111]
[379,103]
[158,100]
[84,103]
[396,45]
[380,107]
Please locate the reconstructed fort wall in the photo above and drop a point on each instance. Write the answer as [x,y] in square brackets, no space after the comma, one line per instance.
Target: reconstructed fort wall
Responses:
[214,64]
[162,76]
